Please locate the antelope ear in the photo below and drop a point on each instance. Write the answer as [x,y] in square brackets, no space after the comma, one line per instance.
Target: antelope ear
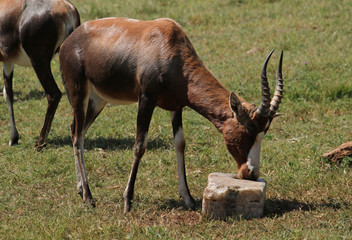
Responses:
[241,115]
[236,104]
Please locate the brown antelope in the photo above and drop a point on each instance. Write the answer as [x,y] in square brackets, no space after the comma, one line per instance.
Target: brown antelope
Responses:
[122,61]
[31,31]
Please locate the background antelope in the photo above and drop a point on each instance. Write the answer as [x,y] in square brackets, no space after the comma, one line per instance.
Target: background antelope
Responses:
[31,31]
[122,61]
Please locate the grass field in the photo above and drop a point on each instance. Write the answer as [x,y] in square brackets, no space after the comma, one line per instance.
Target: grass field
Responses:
[307,197]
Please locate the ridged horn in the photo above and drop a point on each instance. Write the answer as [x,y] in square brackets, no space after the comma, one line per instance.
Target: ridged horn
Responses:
[279,89]
[265,105]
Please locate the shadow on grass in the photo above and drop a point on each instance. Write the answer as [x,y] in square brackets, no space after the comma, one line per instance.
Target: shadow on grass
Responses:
[177,204]
[109,143]
[278,207]
[273,207]
[35,94]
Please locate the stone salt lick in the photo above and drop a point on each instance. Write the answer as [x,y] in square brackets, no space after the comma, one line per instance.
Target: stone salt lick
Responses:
[227,196]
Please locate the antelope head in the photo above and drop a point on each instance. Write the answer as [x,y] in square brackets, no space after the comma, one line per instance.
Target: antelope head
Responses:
[244,133]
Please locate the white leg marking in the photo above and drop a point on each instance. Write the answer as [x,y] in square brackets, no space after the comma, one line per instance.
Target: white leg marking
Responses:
[79,155]
[253,160]
[145,140]
[179,146]
[140,148]
[181,170]
[78,151]
[8,70]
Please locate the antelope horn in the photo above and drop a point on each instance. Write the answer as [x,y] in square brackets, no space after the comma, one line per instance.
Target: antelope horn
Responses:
[276,100]
[263,109]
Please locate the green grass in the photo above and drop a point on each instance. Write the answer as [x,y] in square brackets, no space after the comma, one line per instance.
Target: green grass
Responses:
[307,197]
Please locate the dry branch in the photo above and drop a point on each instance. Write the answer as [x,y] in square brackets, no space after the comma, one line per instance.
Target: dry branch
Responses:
[336,155]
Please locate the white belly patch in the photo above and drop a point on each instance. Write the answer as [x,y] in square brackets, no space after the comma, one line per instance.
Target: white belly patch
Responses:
[106,98]
[22,59]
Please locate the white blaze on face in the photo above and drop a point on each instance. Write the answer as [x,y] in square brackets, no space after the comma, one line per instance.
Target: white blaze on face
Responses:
[253,159]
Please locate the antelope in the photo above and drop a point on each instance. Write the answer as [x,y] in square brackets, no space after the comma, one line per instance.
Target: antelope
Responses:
[31,32]
[122,61]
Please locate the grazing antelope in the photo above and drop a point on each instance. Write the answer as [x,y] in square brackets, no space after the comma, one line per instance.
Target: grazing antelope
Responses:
[122,61]
[31,31]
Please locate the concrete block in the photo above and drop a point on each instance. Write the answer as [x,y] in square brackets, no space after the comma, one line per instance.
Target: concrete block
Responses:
[227,196]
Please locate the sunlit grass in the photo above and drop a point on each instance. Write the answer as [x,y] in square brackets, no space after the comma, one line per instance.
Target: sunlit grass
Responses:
[307,197]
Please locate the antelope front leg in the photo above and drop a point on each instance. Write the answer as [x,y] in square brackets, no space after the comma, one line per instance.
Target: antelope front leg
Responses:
[8,95]
[180,145]
[145,111]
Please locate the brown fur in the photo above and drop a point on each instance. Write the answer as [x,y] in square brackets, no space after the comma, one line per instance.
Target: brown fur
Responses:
[121,60]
